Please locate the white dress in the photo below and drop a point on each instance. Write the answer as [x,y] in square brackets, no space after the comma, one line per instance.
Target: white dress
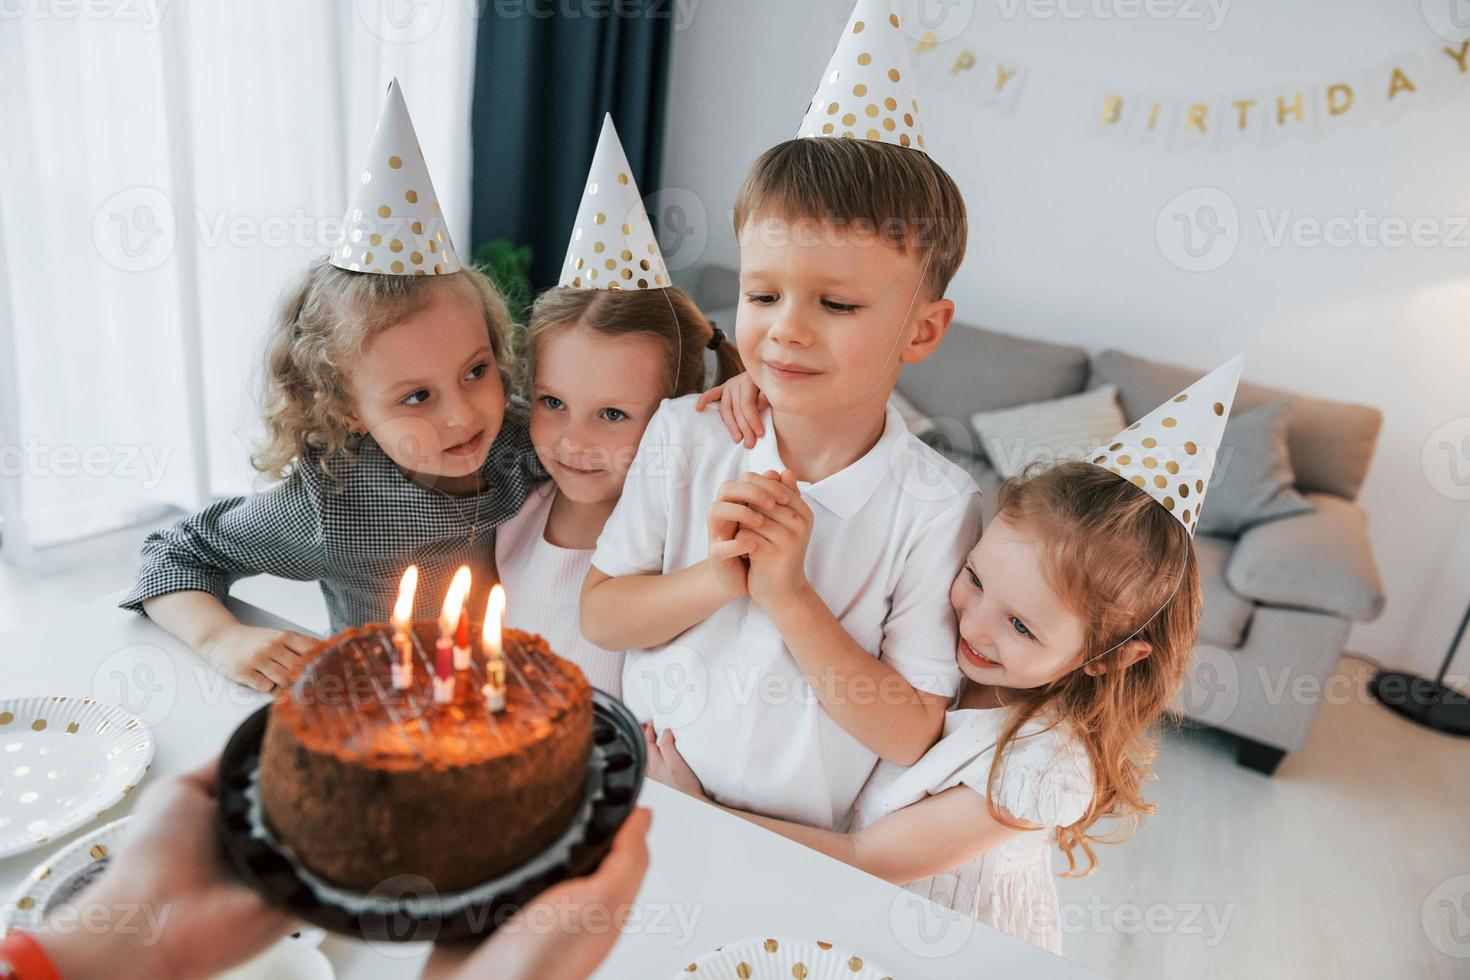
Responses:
[543,585]
[1046,780]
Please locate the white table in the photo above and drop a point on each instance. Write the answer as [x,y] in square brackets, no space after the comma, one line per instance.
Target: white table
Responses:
[713,878]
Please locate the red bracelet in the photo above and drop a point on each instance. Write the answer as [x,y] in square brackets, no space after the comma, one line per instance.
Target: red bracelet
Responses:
[22,958]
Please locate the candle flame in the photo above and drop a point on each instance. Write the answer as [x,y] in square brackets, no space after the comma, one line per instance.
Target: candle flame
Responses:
[494,611]
[459,588]
[403,608]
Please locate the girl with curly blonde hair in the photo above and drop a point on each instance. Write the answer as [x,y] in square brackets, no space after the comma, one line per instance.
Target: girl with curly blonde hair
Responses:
[394,441]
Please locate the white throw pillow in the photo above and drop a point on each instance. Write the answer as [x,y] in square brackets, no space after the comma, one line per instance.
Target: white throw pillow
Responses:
[1065,428]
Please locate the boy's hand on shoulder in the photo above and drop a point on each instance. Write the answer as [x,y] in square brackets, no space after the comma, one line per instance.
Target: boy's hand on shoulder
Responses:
[258,657]
[782,530]
[741,404]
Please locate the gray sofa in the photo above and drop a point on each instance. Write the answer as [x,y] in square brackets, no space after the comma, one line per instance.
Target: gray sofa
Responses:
[1278,600]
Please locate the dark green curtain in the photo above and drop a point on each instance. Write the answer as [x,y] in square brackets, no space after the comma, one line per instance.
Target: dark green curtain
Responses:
[543,80]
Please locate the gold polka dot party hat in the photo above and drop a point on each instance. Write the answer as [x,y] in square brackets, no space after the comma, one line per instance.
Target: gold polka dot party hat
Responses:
[393,224]
[612,245]
[1171,451]
[867,90]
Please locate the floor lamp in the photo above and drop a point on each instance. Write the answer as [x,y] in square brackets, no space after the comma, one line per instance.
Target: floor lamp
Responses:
[1430,703]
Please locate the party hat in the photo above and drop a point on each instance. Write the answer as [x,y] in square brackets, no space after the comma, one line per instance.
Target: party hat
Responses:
[612,246]
[1171,451]
[393,224]
[866,91]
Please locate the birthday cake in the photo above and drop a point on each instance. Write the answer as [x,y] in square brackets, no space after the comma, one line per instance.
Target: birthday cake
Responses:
[363,781]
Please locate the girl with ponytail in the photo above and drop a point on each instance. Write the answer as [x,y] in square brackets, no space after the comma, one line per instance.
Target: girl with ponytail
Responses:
[595,366]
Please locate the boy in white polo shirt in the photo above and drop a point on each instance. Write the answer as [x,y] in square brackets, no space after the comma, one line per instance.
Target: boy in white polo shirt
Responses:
[786,607]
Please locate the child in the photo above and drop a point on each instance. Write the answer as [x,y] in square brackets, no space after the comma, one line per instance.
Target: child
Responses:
[792,658]
[387,423]
[597,363]
[1078,611]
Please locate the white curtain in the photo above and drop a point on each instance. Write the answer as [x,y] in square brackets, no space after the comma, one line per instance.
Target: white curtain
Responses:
[165,171]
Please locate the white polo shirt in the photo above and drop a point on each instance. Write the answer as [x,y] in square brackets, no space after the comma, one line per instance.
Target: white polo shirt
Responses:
[890,533]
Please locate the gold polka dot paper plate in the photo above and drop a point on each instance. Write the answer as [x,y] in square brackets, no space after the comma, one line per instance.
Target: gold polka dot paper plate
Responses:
[57,880]
[63,761]
[775,958]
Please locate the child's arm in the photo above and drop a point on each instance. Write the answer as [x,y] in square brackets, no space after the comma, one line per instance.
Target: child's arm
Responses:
[873,702]
[640,607]
[636,612]
[257,657]
[939,833]
[185,571]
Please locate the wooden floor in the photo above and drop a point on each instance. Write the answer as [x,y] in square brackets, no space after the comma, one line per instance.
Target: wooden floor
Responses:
[1328,869]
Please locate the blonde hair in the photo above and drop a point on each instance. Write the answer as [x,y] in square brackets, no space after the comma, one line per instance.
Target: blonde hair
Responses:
[667,315]
[894,192]
[1127,568]
[325,322]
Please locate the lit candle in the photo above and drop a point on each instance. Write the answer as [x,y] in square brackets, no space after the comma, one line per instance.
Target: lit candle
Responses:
[402,627]
[444,653]
[462,639]
[492,643]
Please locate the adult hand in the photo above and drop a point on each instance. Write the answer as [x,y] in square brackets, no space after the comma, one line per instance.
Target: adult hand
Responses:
[172,906]
[567,931]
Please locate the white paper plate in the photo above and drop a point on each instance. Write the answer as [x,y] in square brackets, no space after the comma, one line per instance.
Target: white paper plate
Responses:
[63,761]
[61,877]
[782,959]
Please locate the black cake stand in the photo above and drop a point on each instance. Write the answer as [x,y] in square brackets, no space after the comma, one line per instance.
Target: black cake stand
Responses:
[264,868]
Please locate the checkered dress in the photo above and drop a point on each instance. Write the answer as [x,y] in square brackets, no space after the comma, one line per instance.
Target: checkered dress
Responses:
[355,537]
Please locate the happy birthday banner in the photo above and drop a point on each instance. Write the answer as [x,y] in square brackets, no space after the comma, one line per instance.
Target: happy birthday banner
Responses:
[1261,117]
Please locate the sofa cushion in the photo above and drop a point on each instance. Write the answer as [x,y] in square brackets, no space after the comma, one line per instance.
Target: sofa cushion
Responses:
[1225,615]
[977,370]
[1252,481]
[1330,442]
[1320,561]
[1063,428]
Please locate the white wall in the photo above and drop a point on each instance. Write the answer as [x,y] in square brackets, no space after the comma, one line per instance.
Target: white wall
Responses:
[1063,246]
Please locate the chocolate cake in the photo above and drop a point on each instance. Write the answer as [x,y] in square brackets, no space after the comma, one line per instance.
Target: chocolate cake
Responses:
[364,782]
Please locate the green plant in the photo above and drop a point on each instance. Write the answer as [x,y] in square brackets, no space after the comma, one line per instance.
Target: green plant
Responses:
[508,265]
